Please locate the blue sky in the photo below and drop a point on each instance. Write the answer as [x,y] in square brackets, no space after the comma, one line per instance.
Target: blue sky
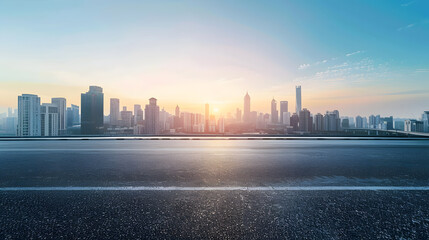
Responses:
[361,57]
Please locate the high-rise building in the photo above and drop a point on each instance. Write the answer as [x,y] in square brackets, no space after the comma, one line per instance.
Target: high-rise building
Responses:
[425,120]
[283,109]
[274,112]
[298,99]
[286,118]
[238,115]
[294,121]
[138,114]
[319,123]
[221,125]
[29,115]
[412,125]
[359,122]
[207,117]
[332,121]
[92,103]
[114,112]
[177,111]
[61,104]
[305,121]
[49,119]
[399,125]
[73,116]
[387,123]
[246,109]
[126,118]
[345,123]
[151,113]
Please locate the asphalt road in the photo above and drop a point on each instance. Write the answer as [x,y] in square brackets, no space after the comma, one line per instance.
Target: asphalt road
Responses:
[217,189]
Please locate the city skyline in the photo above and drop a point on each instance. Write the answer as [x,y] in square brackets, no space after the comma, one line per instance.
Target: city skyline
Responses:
[202,52]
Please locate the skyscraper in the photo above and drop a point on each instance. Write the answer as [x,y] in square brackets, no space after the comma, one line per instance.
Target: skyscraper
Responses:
[238,115]
[73,115]
[29,115]
[246,109]
[151,113]
[359,122]
[283,109]
[126,118]
[177,111]
[318,123]
[274,112]
[49,119]
[298,99]
[92,104]
[305,121]
[138,114]
[114,112]
[61,104]
[207,117]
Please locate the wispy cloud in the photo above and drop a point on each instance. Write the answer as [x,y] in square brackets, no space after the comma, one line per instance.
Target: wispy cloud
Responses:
[406,27]
[303,66]
[407,4]
[353,53]
[407,92]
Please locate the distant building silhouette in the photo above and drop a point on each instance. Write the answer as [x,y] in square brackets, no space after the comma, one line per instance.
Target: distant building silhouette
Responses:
[49,119]
[294,121]
[238,115]
[298,99]
[207,118]
[283,109]
[305,121]
[29,123]
[92,104]
[73,116]
[359,122]
[126,118]
[151,114]
[332,121]
[274,112]
[138,114]
[246,109]
[114,112]
[61,104]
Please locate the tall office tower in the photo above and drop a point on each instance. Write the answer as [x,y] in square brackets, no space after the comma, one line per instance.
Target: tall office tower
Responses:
[371,121]
[387,123]
[298,99]
[73,116]
[294,121]
[188,121]
[286,118]
[126,118]
[359,122]
[332,121]
[345,123]
[221,125]
[399,125]
[425,119]
[138,114]
[177,111]
[61,104]
[151,113]
[274,112]
[49,119]
[305,121]
[207,118]
[318,123]
[9,112]
[114,112]
[238,115]
[246,109]
[29,115]
[92,104]
[377,121]
[283,109]
[177,117]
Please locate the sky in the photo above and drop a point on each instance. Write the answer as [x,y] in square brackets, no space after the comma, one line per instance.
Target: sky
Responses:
[360,57]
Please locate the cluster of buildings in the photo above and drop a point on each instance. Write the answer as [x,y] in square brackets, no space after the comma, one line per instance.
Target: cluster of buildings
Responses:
[33,118]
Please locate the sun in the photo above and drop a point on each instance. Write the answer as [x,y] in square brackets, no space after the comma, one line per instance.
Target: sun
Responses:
[215,110]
